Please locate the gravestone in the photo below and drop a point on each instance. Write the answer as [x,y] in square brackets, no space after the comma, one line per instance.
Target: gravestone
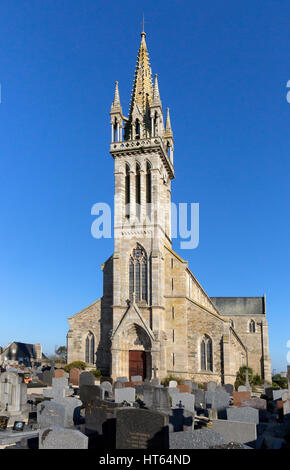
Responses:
[236,431]
[184,400]
[121,379]
[211,386]
[86,378]
[199,399]
[50,413]
[277,394]
[160,399]
[118,384]
[172,383]
[60,389]
[255,402]
[173,391]
[74,375]
[98,412]
[107,387]
[136,378]
[64,413]
[13,393]
[229,388]
[219,400]
[184,388]
[194,386]
[189,383]
[61,438]
[59,373]
[125,394]
[47,377]
[141,429]
[195,439]
[244,414]
[91,392]
[240,396]
[242,388]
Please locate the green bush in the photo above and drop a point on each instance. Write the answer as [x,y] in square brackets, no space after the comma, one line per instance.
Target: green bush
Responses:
[75,365]
[257,380]
[241,376]
[97,373]
[201,386]
[167,379]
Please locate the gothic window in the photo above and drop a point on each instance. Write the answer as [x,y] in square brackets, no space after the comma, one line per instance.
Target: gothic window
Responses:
[252,327]
[127,192]
[90,348]
[168,149]
[138,275]
[137,129]
[138,190]
[206,355]
[232,324]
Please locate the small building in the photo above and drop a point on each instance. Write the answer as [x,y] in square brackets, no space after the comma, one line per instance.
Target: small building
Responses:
[22,353]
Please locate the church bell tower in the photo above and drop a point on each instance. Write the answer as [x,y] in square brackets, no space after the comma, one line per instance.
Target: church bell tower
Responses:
[142,147]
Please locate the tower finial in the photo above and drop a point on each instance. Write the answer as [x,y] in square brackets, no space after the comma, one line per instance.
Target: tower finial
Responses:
[143,23]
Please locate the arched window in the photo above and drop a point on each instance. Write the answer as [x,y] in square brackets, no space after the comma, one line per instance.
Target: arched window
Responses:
[252,327]
[138,275]
[168,149]
[137,129]
[90,348]
[148,189]
[206,354]
[138,190]
[127,192]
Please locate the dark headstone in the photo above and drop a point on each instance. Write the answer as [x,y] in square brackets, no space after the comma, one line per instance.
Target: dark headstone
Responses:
[90,392]
[47,377]
[86,378]
[229,388]
[141,429]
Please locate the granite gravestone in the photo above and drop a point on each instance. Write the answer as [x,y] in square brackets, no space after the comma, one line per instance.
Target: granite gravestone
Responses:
[236,431]
[211,386]
[13,393]
[91,392]
[255,402]
[229,388]
[86,378]
[127,394]
[183,400]
[60,438]
[195,439]
[141,429]
[219,400]
[47,377]
[244,415]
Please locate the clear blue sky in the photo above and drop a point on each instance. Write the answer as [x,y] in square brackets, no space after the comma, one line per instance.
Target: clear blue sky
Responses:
[223,68]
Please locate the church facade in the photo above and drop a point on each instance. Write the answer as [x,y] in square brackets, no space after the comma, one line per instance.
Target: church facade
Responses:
[154,314]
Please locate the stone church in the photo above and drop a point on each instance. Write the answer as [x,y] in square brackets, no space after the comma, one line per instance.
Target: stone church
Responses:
[154,314]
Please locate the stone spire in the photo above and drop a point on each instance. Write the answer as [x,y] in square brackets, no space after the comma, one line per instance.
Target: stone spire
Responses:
[116,105]
[156,95]
[168,130]
[142,92]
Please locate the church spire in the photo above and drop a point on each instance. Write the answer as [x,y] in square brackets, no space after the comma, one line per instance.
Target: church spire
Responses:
[142,92]
[156,95]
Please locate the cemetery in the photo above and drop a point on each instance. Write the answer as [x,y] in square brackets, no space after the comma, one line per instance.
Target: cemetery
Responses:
[60,410]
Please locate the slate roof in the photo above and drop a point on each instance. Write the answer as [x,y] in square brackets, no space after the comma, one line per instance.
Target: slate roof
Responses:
[240,305]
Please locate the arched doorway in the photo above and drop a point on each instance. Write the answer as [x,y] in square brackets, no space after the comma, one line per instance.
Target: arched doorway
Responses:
[139,357]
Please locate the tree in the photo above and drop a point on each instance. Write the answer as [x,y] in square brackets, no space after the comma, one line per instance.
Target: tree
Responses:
[61,352]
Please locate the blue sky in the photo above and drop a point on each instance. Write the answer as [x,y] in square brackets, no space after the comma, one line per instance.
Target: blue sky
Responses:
[223,67]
